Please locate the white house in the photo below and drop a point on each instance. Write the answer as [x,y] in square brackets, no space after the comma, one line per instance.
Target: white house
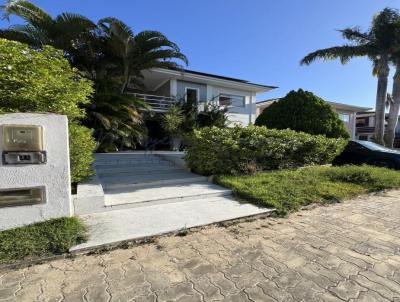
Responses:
[347,113]
[164,87]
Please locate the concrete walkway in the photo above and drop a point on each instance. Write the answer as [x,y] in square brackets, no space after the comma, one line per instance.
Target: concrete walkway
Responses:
[344,252]
[137,194]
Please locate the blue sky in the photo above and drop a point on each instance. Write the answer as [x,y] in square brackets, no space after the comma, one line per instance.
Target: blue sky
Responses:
[257,40]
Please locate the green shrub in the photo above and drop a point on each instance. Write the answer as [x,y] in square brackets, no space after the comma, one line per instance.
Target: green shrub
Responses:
[245,150]
[81,146]
[54,236]
[303,111]
[212,116]
[33,80]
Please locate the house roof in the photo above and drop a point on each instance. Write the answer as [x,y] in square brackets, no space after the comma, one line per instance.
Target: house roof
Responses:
[337,105]
[207,78]
[225,78]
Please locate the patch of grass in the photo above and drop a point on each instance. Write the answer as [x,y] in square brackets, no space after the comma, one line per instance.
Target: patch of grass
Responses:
[288,190]
[54,236]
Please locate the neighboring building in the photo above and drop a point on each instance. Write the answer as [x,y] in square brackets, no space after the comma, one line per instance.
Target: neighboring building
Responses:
[366,127]
[347,113]
[164,87]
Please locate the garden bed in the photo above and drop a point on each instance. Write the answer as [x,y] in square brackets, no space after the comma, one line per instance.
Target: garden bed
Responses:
[42,239]
[288,190]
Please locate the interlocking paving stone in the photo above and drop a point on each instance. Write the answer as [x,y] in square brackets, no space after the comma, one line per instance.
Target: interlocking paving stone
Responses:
[343,252]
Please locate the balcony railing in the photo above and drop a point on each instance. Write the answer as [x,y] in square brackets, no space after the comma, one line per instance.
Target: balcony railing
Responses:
[158,103]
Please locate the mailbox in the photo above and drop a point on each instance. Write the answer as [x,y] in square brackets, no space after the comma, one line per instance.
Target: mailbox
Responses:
[23,144]
[22,196]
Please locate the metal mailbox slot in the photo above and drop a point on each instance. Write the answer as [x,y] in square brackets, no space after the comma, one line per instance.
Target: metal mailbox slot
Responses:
[23,144]
[22,196]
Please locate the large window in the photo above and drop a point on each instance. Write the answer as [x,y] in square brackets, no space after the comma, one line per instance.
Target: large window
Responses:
[229,100]
[344,117]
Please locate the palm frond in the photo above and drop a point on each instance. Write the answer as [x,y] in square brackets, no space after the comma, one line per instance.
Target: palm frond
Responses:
[356,35]
[26,11]
[344,53]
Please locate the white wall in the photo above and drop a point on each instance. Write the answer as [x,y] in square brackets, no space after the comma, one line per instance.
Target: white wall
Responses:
[54,175]
[238,115]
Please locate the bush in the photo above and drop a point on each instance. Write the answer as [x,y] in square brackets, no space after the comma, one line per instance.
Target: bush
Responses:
[212,116]
[81,146]
[33,80]
[246,150]
[54,236]
[303,111]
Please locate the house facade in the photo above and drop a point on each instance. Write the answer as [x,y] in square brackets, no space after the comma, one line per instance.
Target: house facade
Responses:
[165,87]
[347,113]
[365,127]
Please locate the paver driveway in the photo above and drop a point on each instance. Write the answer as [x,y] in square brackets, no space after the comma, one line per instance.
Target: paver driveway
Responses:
[344,252]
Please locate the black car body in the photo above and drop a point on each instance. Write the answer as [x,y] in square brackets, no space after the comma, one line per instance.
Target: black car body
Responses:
[365,152]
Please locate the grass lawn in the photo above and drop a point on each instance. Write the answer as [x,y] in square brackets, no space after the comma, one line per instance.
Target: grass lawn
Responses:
[46,238]
[288,190]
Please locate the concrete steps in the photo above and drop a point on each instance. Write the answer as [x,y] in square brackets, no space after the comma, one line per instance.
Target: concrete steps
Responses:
[136,195]
[130,180]
[164,194]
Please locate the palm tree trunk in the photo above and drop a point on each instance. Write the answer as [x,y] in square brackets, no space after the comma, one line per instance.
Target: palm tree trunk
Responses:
[381,96]
[394,109]
[126,77]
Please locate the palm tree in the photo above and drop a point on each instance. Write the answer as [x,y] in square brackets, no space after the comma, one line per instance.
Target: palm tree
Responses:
[117,121]
[378,44]
[109,53]
[63,32]
[394,106]
[147,49]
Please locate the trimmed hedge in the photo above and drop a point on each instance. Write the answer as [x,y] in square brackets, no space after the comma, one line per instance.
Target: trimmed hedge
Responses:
[247,150]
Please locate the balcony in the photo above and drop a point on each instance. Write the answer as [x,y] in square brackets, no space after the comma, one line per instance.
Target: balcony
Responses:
[158,103]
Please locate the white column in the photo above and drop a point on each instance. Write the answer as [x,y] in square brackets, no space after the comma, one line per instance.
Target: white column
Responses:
[209,95]
[353,125]
[173,84]
[252,108]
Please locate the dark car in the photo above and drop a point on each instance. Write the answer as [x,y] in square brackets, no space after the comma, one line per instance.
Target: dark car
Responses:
[365,152]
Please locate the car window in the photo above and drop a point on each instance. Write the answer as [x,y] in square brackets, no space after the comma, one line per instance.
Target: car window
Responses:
[353,146]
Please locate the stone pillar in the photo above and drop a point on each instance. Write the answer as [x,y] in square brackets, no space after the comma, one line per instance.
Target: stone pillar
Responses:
[51,178]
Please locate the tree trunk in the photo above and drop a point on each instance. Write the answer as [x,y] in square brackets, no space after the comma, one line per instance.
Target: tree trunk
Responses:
[394,109]
[381,96]
[126,77]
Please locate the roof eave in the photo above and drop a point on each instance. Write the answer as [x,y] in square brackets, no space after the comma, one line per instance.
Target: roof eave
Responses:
[181,74]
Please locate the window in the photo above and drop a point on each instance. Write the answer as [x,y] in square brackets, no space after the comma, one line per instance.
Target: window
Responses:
[231,100]
[344,117]
[192,95]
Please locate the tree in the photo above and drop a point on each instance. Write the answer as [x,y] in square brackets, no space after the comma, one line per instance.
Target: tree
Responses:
[303,111]
[109,54]
[66,31]
[117,121]
[34,80]
[394,105]
[379,44]
[135,53]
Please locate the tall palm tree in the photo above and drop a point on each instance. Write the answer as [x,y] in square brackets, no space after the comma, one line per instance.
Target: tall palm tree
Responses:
[394,106]
[147,49]
[378,44]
